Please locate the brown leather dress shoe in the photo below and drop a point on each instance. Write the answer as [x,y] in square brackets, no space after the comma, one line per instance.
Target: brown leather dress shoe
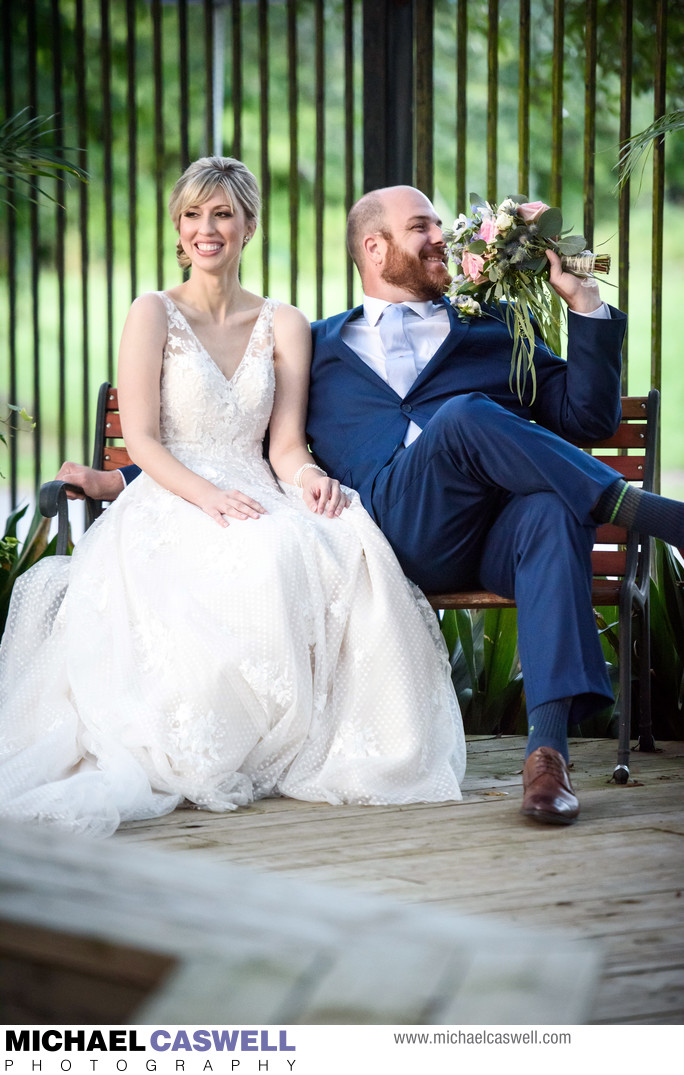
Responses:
[548,795]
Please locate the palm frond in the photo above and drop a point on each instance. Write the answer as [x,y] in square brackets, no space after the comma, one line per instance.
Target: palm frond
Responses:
[639,144]
[25,157]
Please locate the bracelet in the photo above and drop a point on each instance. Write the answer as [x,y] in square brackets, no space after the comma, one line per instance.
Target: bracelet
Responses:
[297,480]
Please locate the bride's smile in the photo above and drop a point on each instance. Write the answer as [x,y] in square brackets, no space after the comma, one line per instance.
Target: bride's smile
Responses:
[214,232]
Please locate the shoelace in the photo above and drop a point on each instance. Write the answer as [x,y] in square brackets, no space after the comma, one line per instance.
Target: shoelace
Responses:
[552,764]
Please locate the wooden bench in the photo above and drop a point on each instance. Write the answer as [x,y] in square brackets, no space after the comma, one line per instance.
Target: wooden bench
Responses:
[621,560]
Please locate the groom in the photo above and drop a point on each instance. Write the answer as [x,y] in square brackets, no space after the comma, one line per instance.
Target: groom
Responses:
[411,406]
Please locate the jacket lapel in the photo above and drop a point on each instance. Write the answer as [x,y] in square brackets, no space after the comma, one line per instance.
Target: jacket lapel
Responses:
[458,330]
[342,351]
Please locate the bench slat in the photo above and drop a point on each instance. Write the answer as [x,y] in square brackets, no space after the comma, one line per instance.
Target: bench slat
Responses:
[113,458]
[630,466]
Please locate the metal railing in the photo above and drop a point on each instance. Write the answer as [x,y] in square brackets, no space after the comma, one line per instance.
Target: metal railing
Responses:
[322,99]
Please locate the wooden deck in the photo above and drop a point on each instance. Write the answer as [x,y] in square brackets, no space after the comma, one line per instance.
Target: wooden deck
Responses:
[456,913]
[616,877]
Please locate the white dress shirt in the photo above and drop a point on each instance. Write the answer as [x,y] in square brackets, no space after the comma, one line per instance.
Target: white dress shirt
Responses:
[425,332]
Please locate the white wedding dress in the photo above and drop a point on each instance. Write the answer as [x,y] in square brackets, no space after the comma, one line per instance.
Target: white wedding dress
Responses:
[172,660]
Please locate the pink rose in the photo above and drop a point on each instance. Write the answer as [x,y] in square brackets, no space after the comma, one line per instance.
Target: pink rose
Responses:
[531,211]
[488,230]
[472,265]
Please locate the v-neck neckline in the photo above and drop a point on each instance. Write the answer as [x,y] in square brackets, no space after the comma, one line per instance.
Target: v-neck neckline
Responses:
[214,363]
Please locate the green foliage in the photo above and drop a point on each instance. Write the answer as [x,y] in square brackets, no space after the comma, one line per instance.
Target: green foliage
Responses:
[16,557]
[25,157]
[667,643]
[483,650]
[667,653]
[640,144]
[24,416]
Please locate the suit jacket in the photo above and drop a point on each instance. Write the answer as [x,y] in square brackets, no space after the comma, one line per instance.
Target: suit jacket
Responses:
[356,421]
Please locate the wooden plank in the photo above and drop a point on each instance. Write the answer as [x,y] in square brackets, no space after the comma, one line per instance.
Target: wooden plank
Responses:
[657,996]
[113,458]
[631,467]
[113,425]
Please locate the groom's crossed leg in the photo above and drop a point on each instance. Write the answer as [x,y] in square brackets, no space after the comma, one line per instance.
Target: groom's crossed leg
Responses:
[484,497]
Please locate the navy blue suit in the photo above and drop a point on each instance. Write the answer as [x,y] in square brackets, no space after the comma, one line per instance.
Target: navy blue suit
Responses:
[490,494]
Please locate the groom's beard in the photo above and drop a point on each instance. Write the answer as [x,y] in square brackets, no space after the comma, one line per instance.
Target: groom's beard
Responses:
[413,274]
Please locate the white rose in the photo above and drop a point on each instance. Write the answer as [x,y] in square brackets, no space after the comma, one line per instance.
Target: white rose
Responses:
[467,305]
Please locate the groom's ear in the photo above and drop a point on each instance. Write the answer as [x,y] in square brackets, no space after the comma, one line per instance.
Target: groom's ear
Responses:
[375,248]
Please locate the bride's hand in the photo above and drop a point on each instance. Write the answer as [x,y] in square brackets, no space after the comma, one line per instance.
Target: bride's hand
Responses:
[324,495]
[219,503]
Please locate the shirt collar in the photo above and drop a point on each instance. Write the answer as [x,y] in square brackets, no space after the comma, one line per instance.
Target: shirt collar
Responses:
[373,308]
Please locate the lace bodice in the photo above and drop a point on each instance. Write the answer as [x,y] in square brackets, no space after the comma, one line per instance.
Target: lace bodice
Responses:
[206,418]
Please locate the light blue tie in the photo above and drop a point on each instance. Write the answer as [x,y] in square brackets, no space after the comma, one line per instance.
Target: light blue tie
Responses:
[400,363]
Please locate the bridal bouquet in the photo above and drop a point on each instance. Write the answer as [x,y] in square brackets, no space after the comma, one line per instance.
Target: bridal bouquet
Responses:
[499,254]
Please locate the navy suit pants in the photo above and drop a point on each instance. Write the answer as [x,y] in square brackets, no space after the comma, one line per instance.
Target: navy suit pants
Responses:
[486,498]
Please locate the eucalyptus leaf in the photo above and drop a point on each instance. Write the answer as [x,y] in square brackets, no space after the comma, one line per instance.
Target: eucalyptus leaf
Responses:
[550,223]
[537,265]
[572,246]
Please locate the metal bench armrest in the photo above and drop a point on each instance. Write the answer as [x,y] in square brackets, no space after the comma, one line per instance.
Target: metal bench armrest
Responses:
[52,500]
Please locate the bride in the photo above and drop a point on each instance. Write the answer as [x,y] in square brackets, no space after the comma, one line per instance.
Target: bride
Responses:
[220,634]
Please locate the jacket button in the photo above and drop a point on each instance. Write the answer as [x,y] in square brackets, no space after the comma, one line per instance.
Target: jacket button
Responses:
[406,408]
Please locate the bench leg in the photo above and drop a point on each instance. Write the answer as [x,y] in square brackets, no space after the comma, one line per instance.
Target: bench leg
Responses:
[621,771]
[646,741]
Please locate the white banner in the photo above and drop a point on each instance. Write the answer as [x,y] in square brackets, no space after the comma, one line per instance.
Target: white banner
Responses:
[332,1050]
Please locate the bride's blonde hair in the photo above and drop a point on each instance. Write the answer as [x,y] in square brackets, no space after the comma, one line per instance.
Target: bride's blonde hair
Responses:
[199,181]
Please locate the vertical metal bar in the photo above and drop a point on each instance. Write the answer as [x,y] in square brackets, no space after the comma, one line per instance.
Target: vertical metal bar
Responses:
[659,94]
[624,204]
[424,21]
[319,176]
[83,203]
[349,193]
[590,122]
[184,84]
[218,78]
[11,263]
[60,228]
[262,14]
[461,102]
[159,176]
[292,104]
[209,67]
[557,103]
[375,61]
[32,78]
[492,97]
[388,93]
[107,174]
[236,80]
[132,145]
[524,100]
